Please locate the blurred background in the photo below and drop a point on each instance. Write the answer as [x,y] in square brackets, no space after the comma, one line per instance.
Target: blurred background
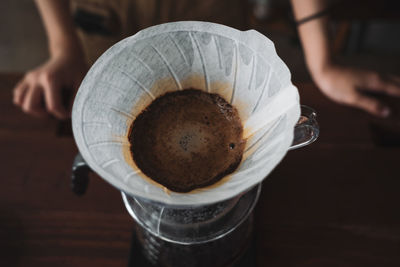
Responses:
[364,35]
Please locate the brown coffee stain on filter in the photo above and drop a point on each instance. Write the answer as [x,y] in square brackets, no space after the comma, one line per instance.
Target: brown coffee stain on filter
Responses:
[194,81]
[156,90]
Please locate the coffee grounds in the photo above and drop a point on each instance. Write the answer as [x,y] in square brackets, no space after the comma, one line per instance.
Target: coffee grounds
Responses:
[187,139]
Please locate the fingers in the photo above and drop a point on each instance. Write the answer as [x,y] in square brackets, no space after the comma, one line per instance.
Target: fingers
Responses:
[19,92]
[36,93]
[390,86]
[29,98]
[32,102]
[52,95]
[371,105]
[395,79]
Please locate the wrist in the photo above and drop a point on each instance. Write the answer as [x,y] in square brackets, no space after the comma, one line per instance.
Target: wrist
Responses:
[323,69]
[68,45]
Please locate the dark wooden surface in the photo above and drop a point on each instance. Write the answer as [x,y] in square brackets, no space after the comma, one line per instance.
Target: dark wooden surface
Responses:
[334,203]
[41,222]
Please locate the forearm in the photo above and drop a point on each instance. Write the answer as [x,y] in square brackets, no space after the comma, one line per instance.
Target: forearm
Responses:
[313,34]
[59,26]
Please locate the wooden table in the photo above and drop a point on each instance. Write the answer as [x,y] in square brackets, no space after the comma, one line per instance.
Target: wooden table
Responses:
[42,223]
[334,203]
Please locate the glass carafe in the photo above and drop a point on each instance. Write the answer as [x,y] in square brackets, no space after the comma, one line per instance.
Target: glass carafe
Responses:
[204,235]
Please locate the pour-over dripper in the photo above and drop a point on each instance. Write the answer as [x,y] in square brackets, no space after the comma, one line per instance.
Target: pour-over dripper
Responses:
[240,66]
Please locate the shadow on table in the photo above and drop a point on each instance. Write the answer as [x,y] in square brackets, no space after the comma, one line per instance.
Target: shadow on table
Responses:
[12,240]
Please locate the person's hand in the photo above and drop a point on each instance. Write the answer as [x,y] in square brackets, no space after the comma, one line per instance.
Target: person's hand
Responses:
[346,85]
[39,93]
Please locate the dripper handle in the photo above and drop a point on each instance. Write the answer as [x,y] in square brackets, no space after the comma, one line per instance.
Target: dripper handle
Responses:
[79,175]
[306,130]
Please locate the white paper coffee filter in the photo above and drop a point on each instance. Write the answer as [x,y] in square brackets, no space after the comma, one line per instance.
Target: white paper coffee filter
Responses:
[243,67]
